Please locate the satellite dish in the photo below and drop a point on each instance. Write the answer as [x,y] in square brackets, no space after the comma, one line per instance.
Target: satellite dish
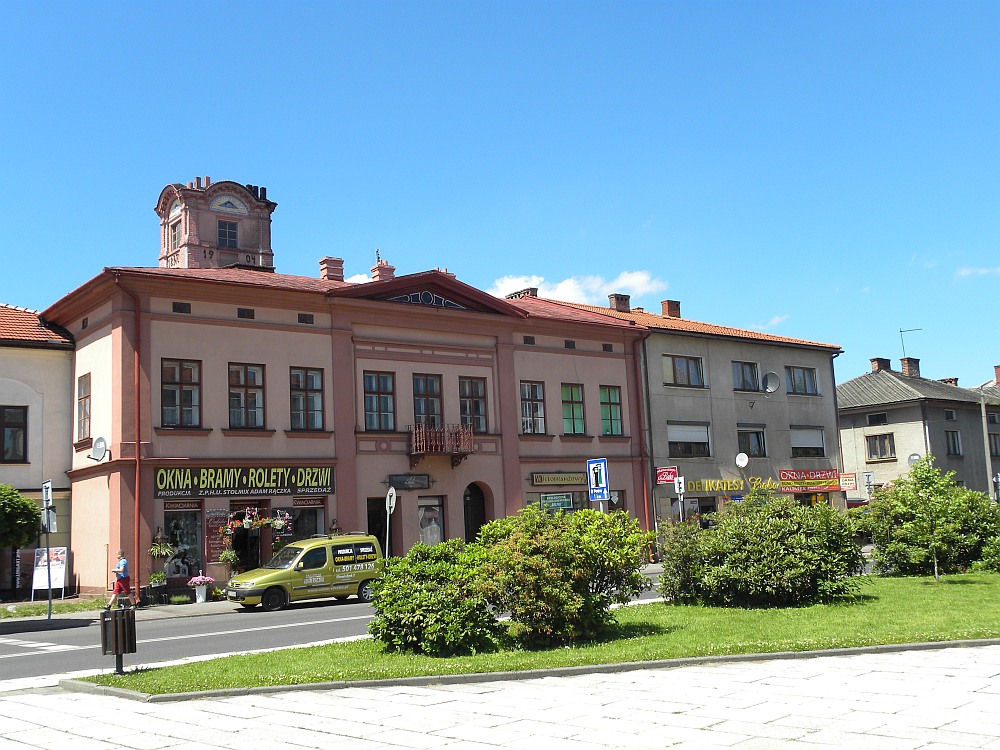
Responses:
[100,449]
[742,459]
[771,382]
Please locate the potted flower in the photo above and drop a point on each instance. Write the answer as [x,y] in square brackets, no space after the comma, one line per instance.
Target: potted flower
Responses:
[200,583]
[158,578]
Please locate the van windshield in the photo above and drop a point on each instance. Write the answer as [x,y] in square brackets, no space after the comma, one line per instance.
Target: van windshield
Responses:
[284,558]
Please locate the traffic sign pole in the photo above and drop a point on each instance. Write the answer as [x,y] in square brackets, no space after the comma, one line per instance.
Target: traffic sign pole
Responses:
[390,506]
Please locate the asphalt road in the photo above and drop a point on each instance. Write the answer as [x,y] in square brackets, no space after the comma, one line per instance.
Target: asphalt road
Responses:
[33,647]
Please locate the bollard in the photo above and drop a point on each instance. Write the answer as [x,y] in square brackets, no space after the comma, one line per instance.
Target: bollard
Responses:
[118,634]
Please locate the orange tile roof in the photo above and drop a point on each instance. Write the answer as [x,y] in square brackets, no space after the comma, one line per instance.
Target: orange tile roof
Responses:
[241,276]
[22,327]
[683,325]
[537,307]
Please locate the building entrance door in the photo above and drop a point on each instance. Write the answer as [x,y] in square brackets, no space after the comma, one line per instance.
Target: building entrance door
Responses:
[475,511]
[376,523]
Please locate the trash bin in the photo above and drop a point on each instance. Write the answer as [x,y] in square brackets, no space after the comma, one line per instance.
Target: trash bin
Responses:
[118,634]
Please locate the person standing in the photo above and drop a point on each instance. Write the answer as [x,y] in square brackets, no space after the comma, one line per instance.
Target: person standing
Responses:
[123,583]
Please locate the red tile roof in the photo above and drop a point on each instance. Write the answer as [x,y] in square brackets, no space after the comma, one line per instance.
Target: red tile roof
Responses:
[683,325]
[22,327]
[241,276]
[537,307]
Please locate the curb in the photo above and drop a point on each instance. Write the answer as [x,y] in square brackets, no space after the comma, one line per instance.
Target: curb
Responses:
[79,686]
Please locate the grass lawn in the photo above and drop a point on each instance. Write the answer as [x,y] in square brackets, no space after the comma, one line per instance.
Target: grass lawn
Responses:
[890,610]
[41,608]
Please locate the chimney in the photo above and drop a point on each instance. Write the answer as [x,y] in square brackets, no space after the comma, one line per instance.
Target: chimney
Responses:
[197,182]
[671,308]
[382,271]
[880,363]
[331,269]
[619,302]
[910,366]
[208,181]
[949,381]
[996,375]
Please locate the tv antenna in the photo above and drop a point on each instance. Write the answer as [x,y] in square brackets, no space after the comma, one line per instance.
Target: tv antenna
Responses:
[901,332]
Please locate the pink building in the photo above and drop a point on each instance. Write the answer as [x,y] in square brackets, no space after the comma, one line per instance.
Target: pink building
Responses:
[224,390]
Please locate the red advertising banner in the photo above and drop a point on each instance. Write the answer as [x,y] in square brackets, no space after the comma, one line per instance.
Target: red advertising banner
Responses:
[666,474]
[809,480]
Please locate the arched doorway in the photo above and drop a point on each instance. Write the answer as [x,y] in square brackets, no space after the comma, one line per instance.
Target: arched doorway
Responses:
[475,511]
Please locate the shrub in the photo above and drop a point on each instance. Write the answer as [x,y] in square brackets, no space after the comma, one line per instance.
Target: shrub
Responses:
[766,551]
[925,523]
[683,562]
[557,575]
[19,518]
[427,602]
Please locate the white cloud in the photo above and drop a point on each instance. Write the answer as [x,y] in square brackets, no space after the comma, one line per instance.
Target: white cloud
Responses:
[966,272]
[589,290]
[358,278]
[774,321]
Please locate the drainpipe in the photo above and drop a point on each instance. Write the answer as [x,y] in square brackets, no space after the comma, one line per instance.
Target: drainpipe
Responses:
[836,424]
[639,371]
[138,461]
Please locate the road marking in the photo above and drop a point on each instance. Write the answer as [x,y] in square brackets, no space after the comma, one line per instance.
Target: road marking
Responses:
[34,645]
[254,630]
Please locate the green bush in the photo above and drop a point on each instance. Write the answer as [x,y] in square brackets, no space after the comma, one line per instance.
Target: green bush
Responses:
[20,518]
[683,562]
[766,551]
[557,575]
[427,602]
[924,523]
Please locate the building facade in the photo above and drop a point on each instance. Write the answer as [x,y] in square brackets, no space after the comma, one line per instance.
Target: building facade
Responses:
[891,418]
[36,414]
[225,391]
[731,410]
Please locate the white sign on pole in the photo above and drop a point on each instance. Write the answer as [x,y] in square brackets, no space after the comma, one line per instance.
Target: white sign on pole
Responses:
[679,485]
[43,558]
[390,500]
[597,479]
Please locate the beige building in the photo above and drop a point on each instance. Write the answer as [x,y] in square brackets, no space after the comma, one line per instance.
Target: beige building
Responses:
[36,414]
[891,418]
[226,391]
[715,394]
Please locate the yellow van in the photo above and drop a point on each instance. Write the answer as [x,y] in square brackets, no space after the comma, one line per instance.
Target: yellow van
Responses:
[323,566]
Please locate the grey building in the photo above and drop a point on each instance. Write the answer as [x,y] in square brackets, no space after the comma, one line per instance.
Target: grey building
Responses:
[890,418]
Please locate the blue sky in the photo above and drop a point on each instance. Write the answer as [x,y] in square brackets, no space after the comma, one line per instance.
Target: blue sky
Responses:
[827,171]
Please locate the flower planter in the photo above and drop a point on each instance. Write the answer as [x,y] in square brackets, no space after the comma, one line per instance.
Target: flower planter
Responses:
[200,594]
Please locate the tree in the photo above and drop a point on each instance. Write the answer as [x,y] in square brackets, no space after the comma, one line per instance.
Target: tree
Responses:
[925,523]
[20,518]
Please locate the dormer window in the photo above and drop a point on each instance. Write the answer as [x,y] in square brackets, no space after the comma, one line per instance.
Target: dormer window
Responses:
[175,235]
[228,234]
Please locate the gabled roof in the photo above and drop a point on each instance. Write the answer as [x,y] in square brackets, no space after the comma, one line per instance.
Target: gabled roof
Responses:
[239,276]
[26,328]
[684,325]
[884,387]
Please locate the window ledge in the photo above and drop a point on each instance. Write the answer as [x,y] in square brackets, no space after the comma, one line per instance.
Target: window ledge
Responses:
[688,387]
[82,445]
[804,395]
[320,434]
[881,460]
[614,438]
[243,432]
[182,430]
[537,437]
[576,438]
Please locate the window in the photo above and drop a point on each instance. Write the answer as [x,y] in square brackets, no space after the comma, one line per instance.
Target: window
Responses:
[313,559]
[246,396]
[14,430]
[751,442]
[874,420]
[745,377]
[182,307]
[801,380]
[607,347]
[954,442]
[472,403]
[180,393]
[569,344]
[83,407]
[175,235]
[949,415]
[683,371]
[307,318]
[611,410]
[572,409]
[380,401]
[247,313]
[430,519]
[529,340]
[228,234]
[532,408]
[994,444]
[993,418]
[427,400]
[807,442]
[687,440]
[881,447]
[306,394]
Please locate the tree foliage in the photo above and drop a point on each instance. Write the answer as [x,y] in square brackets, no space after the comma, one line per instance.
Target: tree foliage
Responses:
[925,523]
[766,551]
[20,518]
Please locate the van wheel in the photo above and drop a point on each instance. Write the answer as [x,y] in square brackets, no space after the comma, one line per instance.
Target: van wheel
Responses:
[365,592]
[273,600]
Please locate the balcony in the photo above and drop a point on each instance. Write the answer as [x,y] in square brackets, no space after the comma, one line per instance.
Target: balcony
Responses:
[453,440]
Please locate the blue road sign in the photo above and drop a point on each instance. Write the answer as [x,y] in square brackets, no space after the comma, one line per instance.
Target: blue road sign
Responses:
[597,479]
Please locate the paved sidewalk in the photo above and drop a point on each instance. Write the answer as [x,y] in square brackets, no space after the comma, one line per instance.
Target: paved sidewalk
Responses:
[935,699]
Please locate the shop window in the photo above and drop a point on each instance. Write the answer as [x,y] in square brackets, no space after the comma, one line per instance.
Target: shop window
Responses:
[427,400]
[807,442]
[430,519]
[306,394]
[472,403]
[572,409]
[688,440]
[686,371]
[380,401]
[13,430]
[180,393]
[745,376]
[246,396]
[184,533]
[881,447]
[801,380]
[532,408]
[611,410]
[83,407]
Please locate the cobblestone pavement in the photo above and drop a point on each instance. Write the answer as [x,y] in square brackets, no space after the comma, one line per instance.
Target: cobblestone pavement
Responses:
[940,699]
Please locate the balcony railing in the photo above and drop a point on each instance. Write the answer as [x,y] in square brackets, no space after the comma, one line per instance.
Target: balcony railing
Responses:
[453,440]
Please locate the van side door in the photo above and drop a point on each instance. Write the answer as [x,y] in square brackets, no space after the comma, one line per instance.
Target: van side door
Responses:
[311,576]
